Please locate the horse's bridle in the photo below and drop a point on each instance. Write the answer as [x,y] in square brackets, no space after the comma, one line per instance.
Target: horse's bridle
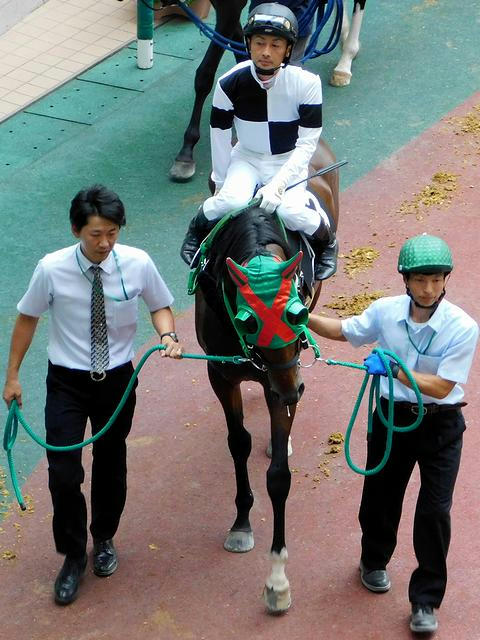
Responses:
[260,363]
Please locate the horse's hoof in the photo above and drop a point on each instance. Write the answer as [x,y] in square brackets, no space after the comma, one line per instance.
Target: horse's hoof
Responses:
[340,78]
[268,450]
[276,602]
[182,171]
[239,541]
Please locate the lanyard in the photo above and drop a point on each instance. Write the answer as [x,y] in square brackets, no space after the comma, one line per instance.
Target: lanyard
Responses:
[422,353]
[84,273]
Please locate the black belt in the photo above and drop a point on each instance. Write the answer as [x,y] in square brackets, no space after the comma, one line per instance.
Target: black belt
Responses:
[428,409]
[71,374]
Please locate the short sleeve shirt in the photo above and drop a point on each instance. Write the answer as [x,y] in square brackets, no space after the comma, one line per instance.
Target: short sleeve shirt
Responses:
[61,285]
[443,346]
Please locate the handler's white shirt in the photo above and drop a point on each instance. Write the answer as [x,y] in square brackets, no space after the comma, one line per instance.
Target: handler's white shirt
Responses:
[59,286]
[449,354]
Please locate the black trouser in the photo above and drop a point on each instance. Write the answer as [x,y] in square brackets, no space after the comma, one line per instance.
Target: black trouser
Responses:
[436,446]
[72,397]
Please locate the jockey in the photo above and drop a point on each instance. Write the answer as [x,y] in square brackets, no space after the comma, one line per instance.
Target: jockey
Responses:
[276,109]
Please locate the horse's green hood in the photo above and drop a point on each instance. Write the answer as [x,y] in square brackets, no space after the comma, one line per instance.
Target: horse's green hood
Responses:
[269,311]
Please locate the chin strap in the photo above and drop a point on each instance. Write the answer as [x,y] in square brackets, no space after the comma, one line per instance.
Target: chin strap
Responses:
[432,307]
[266,72]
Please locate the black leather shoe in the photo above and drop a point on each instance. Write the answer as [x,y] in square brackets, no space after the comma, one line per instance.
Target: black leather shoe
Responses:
[66,584]
[423,619]
[376,580]
[105,560]
[198,229]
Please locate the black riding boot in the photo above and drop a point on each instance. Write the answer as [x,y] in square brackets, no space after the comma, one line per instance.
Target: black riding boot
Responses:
[198,229]
[325,247]
[326,262]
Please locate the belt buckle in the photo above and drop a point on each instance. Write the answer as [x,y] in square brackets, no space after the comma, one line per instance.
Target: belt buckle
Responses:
[98,376]
[415,411]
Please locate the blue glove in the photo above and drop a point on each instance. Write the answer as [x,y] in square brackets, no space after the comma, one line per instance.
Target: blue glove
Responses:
[375,365]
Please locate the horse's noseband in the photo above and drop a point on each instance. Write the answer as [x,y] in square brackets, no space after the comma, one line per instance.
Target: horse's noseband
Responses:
[264,365]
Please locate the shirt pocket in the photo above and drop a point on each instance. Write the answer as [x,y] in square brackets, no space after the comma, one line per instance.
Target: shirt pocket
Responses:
[125,313]
[428,364]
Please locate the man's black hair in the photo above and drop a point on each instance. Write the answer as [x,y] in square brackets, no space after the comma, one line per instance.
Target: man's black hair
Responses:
[96,200]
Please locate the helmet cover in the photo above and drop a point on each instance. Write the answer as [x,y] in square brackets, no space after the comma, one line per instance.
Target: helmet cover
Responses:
[425,254]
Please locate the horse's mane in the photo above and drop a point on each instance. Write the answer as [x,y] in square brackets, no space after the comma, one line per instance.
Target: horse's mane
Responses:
[247,236]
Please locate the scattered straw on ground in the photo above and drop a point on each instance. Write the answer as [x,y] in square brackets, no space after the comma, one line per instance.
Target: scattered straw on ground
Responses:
[436,194]
[353,305]
[359,259]
[336,438]
[469,123]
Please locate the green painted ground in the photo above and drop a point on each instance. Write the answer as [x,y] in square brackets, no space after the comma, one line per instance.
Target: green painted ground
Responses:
[122,127]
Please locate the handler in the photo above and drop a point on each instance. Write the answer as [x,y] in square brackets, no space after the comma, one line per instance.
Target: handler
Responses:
[277,112]
[436,340]
[91,292]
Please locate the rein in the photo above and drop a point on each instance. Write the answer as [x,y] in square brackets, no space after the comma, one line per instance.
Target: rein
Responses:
[16,416]
[239,49]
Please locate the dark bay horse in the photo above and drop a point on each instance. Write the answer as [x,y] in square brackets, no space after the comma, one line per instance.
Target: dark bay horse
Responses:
[246,255]
[228,24]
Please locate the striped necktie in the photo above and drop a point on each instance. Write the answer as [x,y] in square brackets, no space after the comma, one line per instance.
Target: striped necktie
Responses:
[98,331]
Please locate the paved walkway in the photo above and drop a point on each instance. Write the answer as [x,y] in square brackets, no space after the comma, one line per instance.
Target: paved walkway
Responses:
[61,39]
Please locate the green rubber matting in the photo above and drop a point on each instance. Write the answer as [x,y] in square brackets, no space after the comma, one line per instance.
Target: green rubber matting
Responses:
[22,141]
[82,102]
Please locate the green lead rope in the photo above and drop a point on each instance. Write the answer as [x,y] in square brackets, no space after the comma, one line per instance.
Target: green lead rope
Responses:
[386,421]
[15,416]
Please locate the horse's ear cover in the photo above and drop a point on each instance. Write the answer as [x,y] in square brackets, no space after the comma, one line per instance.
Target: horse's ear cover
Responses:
[238,273]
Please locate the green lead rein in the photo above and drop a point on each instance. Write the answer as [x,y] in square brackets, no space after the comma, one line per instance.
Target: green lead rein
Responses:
[386,421]
[15,416]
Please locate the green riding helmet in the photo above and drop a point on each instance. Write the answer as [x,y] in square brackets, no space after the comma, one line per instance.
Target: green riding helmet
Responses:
[425,254]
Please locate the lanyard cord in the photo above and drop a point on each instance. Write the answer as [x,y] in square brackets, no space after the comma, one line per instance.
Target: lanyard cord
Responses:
[419,351]
[84,273]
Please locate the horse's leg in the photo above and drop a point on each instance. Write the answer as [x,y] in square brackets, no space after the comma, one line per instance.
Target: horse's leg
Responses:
[240,536]
[342,73]
[183,167]
[276,593]
[227,23]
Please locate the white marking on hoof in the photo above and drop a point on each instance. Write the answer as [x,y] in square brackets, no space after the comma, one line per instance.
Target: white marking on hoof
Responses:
[276,593]
[268,450]
[340,78]
[182,171]
[239,541]
[276,603]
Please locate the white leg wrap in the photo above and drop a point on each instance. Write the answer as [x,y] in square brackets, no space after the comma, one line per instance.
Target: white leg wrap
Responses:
[277,580]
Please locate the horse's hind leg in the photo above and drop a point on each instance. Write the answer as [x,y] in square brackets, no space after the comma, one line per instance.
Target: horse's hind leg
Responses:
[227,23]
[276,593]
[342,73]
[240,536]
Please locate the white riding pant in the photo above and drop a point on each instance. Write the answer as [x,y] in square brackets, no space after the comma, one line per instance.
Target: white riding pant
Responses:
[299,209]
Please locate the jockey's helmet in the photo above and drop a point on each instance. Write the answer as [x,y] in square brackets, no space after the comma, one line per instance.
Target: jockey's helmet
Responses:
[272,19]
[425,254]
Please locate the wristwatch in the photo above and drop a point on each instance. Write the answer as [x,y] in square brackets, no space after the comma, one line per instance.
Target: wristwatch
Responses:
[394,368]
[172,335]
